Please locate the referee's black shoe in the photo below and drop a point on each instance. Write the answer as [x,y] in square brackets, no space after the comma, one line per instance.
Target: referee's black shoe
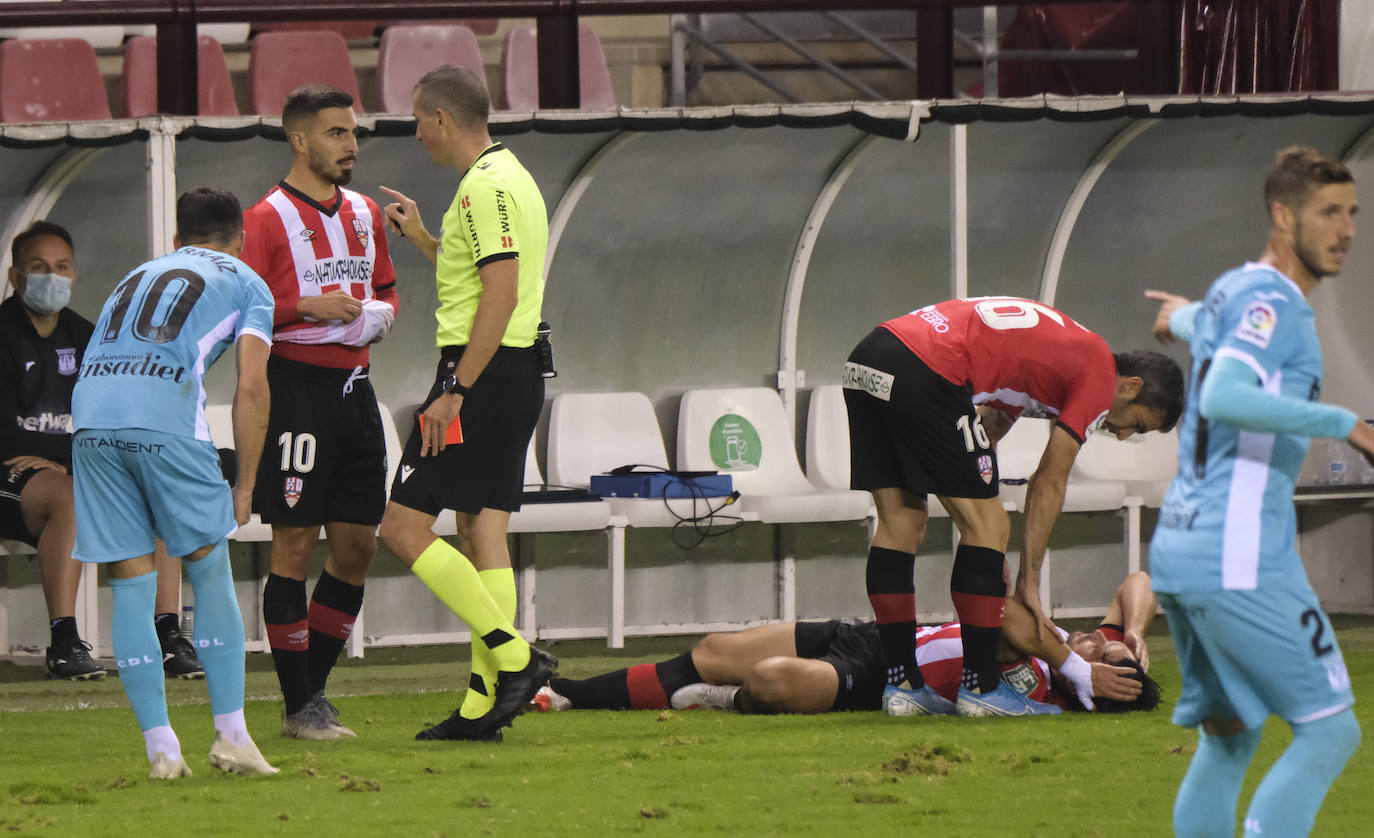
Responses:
[515,690]
[179,658]
[458,729]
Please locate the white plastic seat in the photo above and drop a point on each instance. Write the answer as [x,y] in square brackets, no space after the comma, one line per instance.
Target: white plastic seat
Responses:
[592,433]
[770,481]
[1018,456]
[220,418]
[556,516]
[827,444]
[1146,462]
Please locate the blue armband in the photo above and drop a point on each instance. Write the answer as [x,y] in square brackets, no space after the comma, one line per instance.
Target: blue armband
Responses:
[1232,394]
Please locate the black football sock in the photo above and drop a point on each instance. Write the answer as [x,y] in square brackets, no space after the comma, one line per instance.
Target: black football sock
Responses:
[165,625]
[288,633]
[890,577]
[648,686]
[333,610]
[63,632]
[978,587]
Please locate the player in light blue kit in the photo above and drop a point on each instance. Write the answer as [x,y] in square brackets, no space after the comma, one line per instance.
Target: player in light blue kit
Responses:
[145,467]
[1252,638]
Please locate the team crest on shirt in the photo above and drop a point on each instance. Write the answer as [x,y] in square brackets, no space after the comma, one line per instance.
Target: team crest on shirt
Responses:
[1257,324]
[66,361]
[1022,678]
[985,468]
[291,492]
[360,232]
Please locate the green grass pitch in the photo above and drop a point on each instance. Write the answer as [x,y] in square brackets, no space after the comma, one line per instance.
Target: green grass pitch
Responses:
[73,765]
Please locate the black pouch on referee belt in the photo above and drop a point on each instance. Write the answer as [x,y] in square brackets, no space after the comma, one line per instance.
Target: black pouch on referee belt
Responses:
[636,481]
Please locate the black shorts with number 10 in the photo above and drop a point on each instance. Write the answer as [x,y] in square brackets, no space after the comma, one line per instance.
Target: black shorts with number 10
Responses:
[910,428]
[324,459]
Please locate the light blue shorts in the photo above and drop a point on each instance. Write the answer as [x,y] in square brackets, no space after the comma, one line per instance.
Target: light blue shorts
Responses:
[1252,654]
[134,485]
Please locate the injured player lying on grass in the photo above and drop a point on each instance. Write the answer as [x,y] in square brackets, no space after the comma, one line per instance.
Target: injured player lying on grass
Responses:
[829,666]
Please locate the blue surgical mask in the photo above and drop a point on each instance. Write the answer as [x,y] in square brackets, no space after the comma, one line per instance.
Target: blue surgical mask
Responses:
[47,293]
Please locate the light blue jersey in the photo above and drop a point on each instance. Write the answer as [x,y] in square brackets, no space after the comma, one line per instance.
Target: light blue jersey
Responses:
[1228,520]
[161,329]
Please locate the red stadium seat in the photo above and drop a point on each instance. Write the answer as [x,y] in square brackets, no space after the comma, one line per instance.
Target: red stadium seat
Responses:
[50,81]
[409,52]
[349,30]
[279,62]
[216,89]
[520,71]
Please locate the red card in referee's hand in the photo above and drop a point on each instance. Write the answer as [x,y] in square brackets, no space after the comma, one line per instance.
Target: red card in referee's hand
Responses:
[454,434]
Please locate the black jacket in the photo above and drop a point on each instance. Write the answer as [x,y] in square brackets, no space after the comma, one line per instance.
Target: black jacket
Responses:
[36,380]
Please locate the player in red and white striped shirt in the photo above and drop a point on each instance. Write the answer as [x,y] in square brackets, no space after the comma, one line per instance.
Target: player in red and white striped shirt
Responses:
[322,250]
[820,667]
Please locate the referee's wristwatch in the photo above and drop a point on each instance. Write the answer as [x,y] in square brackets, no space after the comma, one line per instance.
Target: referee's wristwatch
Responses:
[451,384]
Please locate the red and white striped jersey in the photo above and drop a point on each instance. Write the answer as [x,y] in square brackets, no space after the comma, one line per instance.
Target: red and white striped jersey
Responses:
[304,249]
[940,655]
[1019,356]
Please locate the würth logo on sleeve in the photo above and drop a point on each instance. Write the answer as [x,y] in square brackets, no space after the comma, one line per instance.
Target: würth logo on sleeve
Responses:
[291,493]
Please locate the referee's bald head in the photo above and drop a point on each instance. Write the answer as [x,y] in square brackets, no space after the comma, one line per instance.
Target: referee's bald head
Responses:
[458,92]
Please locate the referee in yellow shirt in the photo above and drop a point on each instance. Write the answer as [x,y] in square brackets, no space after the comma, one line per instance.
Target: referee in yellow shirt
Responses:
[466,451]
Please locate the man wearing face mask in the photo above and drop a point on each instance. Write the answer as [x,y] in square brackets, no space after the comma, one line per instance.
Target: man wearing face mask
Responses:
[41,346]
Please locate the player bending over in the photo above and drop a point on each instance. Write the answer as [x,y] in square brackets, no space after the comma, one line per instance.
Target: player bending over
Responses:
[820,667]
[144,466]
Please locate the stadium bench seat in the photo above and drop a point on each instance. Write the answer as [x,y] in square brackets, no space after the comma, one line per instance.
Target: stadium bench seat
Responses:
[220,419]
[216,89]
[520,71]
[51,80]
[556,516]
[592,433]
[1018,455]
[279,62]
[1146,462]
[770,481]
[827,443]
[408,52]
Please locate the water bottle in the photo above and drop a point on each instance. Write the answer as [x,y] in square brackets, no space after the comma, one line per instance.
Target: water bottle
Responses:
[1338,462]
[543,350]
[188,620]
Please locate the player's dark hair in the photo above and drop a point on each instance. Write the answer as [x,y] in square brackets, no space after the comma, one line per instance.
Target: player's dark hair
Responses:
[309,99]
[457,91]
[1149,691]
[37,229]
[208,216]
[1162,389]
[1298,170]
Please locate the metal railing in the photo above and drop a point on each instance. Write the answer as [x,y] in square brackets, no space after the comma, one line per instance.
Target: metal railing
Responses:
[557,30]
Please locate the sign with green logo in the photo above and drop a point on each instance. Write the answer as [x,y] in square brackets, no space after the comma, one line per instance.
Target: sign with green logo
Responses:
[735,444]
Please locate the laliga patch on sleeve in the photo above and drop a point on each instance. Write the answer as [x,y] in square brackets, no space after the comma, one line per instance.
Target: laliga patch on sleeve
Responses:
[1257,324]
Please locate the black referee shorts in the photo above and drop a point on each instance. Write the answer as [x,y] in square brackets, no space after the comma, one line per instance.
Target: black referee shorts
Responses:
[498,416]
[857,655]
[324,460]
[909,428]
